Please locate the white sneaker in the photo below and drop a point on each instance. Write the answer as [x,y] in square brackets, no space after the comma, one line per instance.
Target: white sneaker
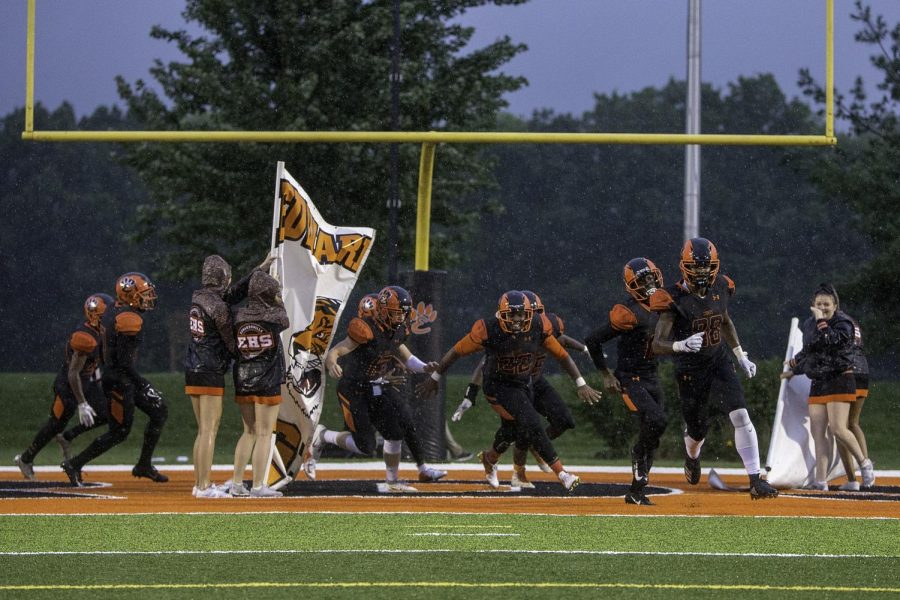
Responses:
[520,481]
[309,468]
[821,486]
[867,469]
[265,491]
[211,492]
[27,468]
[399,487]
[490,471]
[541,463]
[569,481]
[194,491]
[850,486]
[238,491]
[429,475]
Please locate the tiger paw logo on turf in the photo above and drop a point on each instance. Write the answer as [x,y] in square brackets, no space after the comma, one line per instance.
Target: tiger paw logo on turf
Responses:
[422,317]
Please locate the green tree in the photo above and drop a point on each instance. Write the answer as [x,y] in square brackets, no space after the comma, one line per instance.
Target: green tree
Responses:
[864,172]
[287,65]
[575,214]
[66,211]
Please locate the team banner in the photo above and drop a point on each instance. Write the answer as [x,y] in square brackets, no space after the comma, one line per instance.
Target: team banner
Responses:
[792,450]
[318,265]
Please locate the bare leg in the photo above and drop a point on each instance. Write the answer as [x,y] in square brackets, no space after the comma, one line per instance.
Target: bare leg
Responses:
[195,403]
[818,421]
[838,417]
[266,415]
[855,412]
[210,413]
[245,443]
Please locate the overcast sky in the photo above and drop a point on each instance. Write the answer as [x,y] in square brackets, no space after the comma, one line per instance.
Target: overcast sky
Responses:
[576,47]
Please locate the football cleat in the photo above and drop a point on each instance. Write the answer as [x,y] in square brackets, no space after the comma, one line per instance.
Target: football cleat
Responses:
[760,488]
[520,480]
[638,498]
[430,475]
[150,472]
[490,471]
[692,470]
[399,487]
[27,468]
[73,474]
[569,481]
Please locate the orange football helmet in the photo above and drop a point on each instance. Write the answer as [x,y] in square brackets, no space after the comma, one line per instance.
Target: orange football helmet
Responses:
[642,278]
[95,306]
[535,300]
[136,290]
[512,304]
[699,263]
[367,306]
[394,306]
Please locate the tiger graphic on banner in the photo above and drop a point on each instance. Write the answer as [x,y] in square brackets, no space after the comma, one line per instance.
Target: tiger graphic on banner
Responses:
[318,265]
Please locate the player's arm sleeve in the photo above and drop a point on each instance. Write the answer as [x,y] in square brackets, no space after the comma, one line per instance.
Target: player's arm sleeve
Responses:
[555,348]
[128,328]
[595,342]
[473,341]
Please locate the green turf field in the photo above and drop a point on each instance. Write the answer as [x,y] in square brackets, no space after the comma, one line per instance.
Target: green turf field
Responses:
[28,397]
[290,555]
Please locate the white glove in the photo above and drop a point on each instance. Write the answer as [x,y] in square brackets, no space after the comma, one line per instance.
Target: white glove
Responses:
[465,405]
[691,344]
[86,414]
[747,365]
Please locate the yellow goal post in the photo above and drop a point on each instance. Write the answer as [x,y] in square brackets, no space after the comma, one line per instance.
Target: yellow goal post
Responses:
[430,139]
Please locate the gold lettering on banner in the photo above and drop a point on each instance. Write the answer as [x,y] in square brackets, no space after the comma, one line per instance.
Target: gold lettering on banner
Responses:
[299,225]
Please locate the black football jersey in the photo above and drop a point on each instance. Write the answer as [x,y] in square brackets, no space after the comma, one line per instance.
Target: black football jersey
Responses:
[377,349]
[695,314]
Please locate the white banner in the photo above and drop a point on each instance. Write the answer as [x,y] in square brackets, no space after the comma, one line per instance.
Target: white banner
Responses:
[318,265]
[792,452]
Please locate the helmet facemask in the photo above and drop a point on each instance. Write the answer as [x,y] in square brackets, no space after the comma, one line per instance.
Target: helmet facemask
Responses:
[515,312]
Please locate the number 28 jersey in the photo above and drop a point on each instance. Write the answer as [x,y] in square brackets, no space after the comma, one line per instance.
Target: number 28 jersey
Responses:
[696,314]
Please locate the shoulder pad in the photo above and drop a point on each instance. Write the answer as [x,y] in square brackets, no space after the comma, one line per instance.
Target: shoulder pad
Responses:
[129,323]
[661,301]
[557,321]
[730,283]
[622,318]
[82,341]
[546,325]
[359,331]
[479,331]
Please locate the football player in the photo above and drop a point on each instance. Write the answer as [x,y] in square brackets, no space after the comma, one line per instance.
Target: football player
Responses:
[547,401]
[76,387]
[125,388]
[512,341]
[695,312]
[365,364]
[632,321]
